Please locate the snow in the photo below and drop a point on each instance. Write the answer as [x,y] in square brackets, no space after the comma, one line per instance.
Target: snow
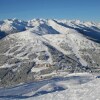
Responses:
[76,86]
[13,26]
[54,73]
[58,27]
[31,42]
[59,38]
[38,69]
[55,43]
[6,65]
[75,48]
[80,86]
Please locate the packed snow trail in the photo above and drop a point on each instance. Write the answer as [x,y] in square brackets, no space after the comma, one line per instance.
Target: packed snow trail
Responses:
[75,50]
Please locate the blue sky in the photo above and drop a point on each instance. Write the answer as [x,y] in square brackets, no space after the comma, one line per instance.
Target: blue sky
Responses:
[58,9]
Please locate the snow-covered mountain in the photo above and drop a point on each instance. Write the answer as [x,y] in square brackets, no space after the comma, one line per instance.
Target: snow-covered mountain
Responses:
[10,26]
[41,48]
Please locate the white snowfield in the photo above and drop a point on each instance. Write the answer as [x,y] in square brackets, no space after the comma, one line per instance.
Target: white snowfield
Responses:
[76,86]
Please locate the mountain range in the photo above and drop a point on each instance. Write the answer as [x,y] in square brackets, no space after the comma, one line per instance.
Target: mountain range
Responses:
[40,49]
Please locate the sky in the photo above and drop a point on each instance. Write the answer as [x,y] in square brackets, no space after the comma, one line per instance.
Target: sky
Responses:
[85,10]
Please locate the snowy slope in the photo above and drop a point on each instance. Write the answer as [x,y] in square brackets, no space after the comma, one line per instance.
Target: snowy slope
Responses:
[40,48]
[77,86]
